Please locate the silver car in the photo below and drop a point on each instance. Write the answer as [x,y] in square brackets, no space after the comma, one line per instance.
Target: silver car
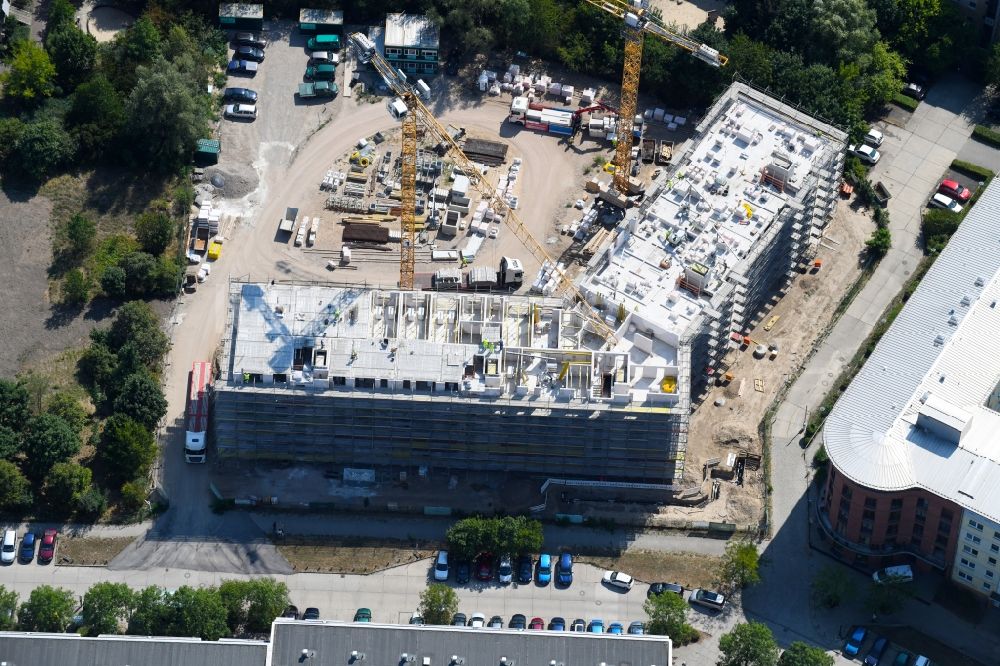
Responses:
[241,111]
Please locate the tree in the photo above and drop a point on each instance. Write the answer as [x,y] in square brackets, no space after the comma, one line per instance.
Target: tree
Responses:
[879,242]
[883,71]
[142,398]
[11,131]
[155,229]
[197,612]
[138,45]
[138,325]
[252,605]
[96,116]
[438,604]
[47,609]
[748,644]
[81,234]
[14,404]
[140,273]
[30,73]
[92,503]
[150,612]
[73,53]
[507,534]
[45,146]
[127,448]
[831,586]
[8,607]
[887,597]
[10,443]
[113,282]
[166,116]
[47,440]
[15,491]
[803,654]
[106,606]
[75,287]
[65,484]
[740,564]
[61,13]
[668,617]
[67,407]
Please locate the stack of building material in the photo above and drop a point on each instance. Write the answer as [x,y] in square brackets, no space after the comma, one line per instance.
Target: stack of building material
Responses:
[587,96]
[567,94]
[486,152]
[547,280]
[208,218]
[471,247]
[365,233]
[541,85]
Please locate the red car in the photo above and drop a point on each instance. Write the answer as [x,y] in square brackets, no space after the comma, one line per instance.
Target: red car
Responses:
[484,567]
[953,189]
[48,548]
[536,623]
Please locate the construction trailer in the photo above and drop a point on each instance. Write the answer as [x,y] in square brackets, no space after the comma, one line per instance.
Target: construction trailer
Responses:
[321,21]
[241,16]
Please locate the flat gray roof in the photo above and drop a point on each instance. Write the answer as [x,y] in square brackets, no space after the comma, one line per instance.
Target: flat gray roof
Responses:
[241,10]
[411,31]
[384,645]
[23,648]
[321,16]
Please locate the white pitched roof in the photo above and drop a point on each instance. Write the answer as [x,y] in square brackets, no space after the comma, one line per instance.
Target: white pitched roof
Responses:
[940,358]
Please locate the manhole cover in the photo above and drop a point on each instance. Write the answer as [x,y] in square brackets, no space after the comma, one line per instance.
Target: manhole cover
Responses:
[218,180]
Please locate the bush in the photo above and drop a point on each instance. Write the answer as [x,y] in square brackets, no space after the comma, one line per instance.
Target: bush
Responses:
[92,503]
[879,242]
[907,103]
[155,229]
[986,135]
[881,217]
[81,234]
[508,534]
[68,408]
[113,282]
[64,485]
[134,495]
[75,288]
[971,169]
[937,227]
[820,458]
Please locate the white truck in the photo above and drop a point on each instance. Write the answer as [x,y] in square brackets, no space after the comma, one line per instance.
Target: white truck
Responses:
[287,223]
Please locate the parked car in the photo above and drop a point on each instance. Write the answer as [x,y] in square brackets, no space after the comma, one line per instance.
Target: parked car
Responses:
[244,95]
[877,650]
[636,629]
[944,202]
[578,625]
[417,618]
[708,599]
[656,589]
[595,627]
[618,579]
[47,551]
[902,659]
[462,572]
[249,39]
[557,624]
[249,53]
[915,90]
[921,660]
[564,571]
[291,612]
[524,566]
[322,72]
[27,552]
[8,549]
[241,111]
[855,641]
[874,137]
[865,153]
[616,628]
[241,67]
[536,623]
[496,622]
[311,613]
[441,566]
[484,566]
[518,621]
[363,615]
[478,621]
[543,573]
[460,620]
[505,572]
[955,190]
[317,57]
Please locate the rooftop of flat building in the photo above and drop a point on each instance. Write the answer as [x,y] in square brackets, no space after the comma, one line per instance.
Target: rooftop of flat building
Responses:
[75,650]
[414,31]
[321,16]
[751,158]
[241,10]
[924,410]
[464,345]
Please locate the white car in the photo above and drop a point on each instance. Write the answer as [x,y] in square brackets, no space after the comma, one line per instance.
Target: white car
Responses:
[618,579]
[241,111]
[944,201]
[441,566]
[478,621]
[874,137]
[865,153]
[505,572]
[325,56]
[9,547]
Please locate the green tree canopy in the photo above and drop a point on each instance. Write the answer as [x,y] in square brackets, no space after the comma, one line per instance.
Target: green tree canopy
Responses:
[888,597]
[47,440]
[61,14]
[252,605]
[10,443]
[155,230]
[67,407]
[15,404]
[879,242]
[96,117]
[30,75]
[748,644]
[65,484]
[75,287]
[73,52]
[140,273]
[136,323]
[47,609]
[741,563]
[438,604]
[8,608]
[142,398]
[127,448]
[106,607]
[831,586]
[150,612]
[505,534]
[140,44]
[81,235]
[44,148]
[114,282]
[197,612]
[15,491]
[803,654]
[668,617]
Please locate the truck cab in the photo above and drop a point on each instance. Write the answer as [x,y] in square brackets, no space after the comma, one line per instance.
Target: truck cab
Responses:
[511,272]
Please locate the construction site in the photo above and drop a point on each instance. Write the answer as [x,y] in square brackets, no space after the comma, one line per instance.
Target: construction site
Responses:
[436,325]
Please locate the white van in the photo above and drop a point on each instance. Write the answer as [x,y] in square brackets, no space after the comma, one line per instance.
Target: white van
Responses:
[902,573]
[9,548]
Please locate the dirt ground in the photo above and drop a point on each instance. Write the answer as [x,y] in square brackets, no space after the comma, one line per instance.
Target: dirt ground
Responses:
[326,555]
[89,551]
[689,13]
[717,431]
[688,569]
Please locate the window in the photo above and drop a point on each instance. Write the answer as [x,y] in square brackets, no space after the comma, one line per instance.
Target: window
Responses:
[996,535]
[995,548]
[976,526]
[969,536]
[428,67]
[896,504]
[870,502]
[989,574]
[967,563]
[427,53]
[391,51]
[868,515]
[993,561]
[969,550]
[410,51]
[987,586]
[847,492]
[964,576]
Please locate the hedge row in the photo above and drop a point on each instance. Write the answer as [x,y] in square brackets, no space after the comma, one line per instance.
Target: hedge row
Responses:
[907,103]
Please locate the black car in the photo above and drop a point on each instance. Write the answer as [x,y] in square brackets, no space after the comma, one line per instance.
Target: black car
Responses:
[517,622]
[524,568]
[578,625]
[292,612]
[244,95]
[249,53]
[915,90]
[249,39]
[311,614]
[496,622]
[459,620]
[656,589]
[463,571]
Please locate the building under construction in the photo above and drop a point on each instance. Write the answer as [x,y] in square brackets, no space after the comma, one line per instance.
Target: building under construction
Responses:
[724,230]
[450,381]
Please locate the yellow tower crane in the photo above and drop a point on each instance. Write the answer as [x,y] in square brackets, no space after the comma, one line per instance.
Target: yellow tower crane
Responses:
[396,80]
[637,24]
